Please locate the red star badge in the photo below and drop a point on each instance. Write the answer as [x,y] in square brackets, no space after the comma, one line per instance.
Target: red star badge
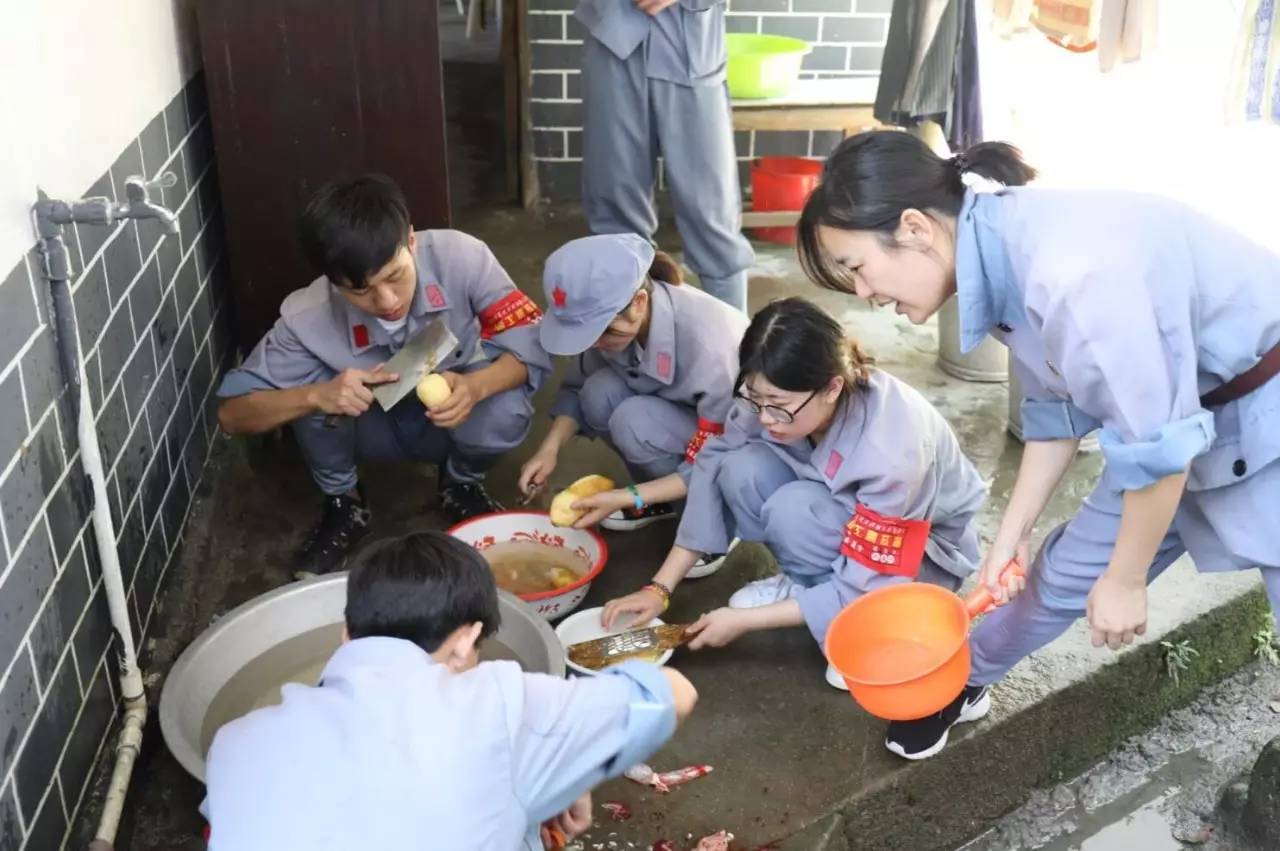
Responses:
[558,296]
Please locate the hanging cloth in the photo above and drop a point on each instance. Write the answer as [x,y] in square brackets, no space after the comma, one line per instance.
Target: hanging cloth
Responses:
[1120,30]
[930,69]
[1255,78]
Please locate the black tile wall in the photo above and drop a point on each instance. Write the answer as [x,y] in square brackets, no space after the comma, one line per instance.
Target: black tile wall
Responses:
[19,701]
[775,6]
[151,311]
[840,7]
[847,38]
[862,30]
[794,26]
[85,740]
[13,418]
[51,823]
[18,307]
[57,623]
[787,143]
[93,634]
[30,577]
[10,827]
[39,758]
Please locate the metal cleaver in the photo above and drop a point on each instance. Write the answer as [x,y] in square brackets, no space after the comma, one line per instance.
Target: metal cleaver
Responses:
[419,356]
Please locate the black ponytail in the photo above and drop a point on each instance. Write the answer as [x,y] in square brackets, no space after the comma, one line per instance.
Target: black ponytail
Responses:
[798,347]
[873,177]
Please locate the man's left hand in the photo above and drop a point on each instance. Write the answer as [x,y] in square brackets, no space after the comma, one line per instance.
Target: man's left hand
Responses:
[462,400]
[653,7]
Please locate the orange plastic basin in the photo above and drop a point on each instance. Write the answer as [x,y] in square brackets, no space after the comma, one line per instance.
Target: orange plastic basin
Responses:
[904,650]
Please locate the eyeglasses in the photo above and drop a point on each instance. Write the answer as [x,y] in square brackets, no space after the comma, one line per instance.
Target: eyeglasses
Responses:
[776,412]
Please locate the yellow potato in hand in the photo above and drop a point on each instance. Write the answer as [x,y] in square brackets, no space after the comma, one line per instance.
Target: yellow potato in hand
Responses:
[562,511]
[434,390]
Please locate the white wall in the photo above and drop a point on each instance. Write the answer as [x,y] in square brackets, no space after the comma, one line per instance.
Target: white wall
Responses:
[1160,124]
[79,79]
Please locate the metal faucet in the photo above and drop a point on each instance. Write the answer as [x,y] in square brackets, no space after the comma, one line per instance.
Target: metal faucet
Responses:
[51,213]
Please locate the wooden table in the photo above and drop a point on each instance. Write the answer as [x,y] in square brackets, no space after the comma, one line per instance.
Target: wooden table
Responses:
[833,104]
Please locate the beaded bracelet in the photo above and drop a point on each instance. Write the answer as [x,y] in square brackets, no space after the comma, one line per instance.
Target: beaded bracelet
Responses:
[635,495]
[662,591]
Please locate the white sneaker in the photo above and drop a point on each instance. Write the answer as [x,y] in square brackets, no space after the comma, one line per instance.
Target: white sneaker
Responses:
[835,680]
[764,592]
[709,563]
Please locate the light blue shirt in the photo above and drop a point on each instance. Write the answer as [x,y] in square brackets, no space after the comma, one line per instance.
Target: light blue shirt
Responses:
[1120,311]
[394,751]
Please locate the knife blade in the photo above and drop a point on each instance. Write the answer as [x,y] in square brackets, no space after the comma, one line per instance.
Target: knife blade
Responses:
[420,355]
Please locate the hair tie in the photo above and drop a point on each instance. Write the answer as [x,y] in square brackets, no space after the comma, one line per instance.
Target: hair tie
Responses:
[960,162]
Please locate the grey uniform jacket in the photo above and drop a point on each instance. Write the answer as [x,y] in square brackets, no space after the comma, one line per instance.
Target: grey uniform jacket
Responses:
[691,359]
[683,44]
[888,450]
[319,333]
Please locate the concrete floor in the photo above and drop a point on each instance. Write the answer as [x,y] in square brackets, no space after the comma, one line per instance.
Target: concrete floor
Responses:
[788,751]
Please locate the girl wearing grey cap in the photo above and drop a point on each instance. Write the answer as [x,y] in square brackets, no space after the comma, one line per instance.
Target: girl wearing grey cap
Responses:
[848,475]
[652,373]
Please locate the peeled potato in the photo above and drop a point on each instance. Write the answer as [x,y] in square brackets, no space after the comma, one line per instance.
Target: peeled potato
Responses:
[562,577]
[562,511]
[434,391]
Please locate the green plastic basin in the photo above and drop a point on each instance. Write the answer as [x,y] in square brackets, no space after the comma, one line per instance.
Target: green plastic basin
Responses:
[763,66]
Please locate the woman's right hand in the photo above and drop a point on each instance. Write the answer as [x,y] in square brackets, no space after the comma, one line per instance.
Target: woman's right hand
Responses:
[598,507]
[1000,556]
[537,470]
[640,606]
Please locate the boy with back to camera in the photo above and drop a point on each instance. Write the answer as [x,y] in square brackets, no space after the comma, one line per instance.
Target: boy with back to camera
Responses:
[410,742]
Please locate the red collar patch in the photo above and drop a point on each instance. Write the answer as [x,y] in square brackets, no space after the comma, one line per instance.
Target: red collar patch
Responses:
[834,463]
[360,335]
[435,298]
[664,364]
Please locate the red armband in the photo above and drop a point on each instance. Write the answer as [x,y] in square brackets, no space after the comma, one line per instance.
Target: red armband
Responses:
[889,545]
[511,311]
[706,429]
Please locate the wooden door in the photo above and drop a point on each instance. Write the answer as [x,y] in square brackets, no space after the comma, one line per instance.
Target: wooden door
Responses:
[300,92]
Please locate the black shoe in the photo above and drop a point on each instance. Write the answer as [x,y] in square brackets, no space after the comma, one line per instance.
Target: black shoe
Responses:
[463,500]
[924,737]
[631,519]
[344,522]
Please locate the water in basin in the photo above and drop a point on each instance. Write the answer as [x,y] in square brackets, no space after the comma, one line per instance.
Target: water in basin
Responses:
[299,659]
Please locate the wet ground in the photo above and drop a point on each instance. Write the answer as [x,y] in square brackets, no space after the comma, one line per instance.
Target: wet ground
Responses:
[788,751]
[1176,787]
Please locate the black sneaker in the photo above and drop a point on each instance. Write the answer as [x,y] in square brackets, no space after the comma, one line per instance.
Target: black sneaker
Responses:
[631,519]
[344,522]
[463,500]
[924,737]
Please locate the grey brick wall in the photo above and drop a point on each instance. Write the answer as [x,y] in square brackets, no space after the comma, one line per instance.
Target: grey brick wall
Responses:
[154,326]
[848,38]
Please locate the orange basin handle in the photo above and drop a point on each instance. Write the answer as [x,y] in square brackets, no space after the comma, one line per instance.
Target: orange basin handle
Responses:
[980,600]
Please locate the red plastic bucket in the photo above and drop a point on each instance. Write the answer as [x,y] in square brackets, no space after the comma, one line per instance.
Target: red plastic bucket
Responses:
[779,184]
